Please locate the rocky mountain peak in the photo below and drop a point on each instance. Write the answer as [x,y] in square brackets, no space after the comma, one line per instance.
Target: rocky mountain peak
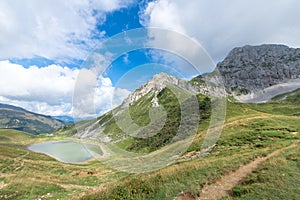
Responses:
[252,68]
[156,85]
[160,81]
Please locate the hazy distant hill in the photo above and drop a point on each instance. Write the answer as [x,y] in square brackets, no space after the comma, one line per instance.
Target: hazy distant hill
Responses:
[65,118]
[12,117]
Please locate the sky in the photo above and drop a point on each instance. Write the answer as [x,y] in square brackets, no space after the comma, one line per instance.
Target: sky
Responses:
[46,45]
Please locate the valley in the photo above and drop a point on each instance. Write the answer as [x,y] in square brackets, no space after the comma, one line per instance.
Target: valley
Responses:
[250,131]
[169,139]
[149,100]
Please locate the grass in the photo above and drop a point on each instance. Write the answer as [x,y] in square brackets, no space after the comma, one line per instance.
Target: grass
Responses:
[18,119]
[167,183]
[30,175]
[250,130]
[139,114]
[277,178]
[167,99]
[277,108]
[248,133]
[290,97]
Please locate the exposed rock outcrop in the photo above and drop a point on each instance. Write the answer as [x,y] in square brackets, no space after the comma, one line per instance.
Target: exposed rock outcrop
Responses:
[157,84]
[250,69]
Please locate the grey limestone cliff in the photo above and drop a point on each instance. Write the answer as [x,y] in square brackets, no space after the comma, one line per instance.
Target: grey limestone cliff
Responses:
[250,69]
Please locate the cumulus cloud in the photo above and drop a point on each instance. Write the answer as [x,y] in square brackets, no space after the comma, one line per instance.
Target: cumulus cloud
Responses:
[220,25]
[53,29]
[59,31]
[95,95]
[50,90]
[52,83]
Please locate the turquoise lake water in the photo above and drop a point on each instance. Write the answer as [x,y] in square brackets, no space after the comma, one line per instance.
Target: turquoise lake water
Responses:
[67,151]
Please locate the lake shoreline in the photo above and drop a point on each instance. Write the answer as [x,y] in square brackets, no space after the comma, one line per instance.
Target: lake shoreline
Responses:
[92,154]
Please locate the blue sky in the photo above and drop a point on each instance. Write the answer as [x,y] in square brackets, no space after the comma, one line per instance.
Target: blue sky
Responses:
[44,44]
[122,20]
[115,22]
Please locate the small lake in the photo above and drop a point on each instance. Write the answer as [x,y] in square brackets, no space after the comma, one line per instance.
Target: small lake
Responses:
[67,151]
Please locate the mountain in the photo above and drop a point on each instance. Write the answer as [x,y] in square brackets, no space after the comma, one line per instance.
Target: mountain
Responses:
[156,85]
[155,107]
[250,74]
[288,97]
[12,117]
[252,68]
[261,138]
[258,73]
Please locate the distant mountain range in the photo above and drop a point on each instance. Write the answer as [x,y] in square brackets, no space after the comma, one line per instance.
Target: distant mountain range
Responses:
[12,117]
[65,118]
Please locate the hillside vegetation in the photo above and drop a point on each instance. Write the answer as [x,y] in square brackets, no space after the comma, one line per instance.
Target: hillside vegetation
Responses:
[139,113]
[248,132]
[12,117]
[268,132]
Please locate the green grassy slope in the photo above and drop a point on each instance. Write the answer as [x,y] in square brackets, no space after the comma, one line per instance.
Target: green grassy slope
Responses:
[168,100]
[19,119]
[287,104]
[290,97]
[139,113]
[28,175]
[248,132]
[277,178]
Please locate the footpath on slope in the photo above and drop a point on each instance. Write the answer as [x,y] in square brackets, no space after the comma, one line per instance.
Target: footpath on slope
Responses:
[223,186]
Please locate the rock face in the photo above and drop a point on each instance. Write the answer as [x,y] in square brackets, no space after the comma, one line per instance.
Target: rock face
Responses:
[157,84]
[250,69]
[246,70]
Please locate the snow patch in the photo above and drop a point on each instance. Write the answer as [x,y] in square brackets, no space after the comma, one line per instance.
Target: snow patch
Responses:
[270,92]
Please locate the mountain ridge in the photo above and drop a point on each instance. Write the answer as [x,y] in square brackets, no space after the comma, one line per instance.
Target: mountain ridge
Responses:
[255,74]
[157,84]
[13,117]
[239,61]
[252,68]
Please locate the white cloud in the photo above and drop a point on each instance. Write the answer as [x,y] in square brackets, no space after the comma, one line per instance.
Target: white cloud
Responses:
[52,83]
[220,25]
[95,94]
[50,90]
[52,29]
[163,14]
[60,31]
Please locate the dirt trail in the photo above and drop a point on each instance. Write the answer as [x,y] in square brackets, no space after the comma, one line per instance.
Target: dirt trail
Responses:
[224,185]
[72,186]
[243,120]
